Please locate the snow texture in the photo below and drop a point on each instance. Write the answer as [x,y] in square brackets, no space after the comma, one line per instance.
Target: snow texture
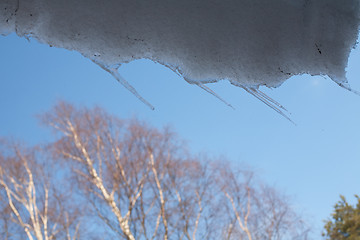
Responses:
[247,42]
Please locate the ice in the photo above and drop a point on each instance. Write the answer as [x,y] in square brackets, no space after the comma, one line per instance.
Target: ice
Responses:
[247,42]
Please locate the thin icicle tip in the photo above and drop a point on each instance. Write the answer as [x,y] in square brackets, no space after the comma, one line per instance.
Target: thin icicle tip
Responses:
[269,102]
[115,73]
[207,89]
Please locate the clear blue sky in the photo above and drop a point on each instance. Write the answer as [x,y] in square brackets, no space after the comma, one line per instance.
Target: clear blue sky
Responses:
[313,162]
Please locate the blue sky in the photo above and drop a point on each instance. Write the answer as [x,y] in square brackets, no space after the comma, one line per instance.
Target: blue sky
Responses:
[313,162]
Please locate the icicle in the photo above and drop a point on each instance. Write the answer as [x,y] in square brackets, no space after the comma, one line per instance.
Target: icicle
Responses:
[114,72]
[347,87]
[271,100]
[276,106]
[207,89]
[268,101]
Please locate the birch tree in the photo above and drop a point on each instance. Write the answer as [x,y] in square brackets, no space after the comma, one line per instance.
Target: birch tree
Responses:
[142,183]
[255,211]
[32,208]
[150,187]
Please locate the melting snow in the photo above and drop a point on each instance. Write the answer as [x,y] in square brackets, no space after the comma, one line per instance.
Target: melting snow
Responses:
[247,42]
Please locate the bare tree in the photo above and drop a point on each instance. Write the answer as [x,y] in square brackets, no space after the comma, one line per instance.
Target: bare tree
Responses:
[142,175]
[32,207]
[254,210]
[275,218]
[143,184]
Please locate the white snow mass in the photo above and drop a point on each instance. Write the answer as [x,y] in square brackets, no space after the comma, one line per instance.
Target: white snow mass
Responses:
[247,42]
